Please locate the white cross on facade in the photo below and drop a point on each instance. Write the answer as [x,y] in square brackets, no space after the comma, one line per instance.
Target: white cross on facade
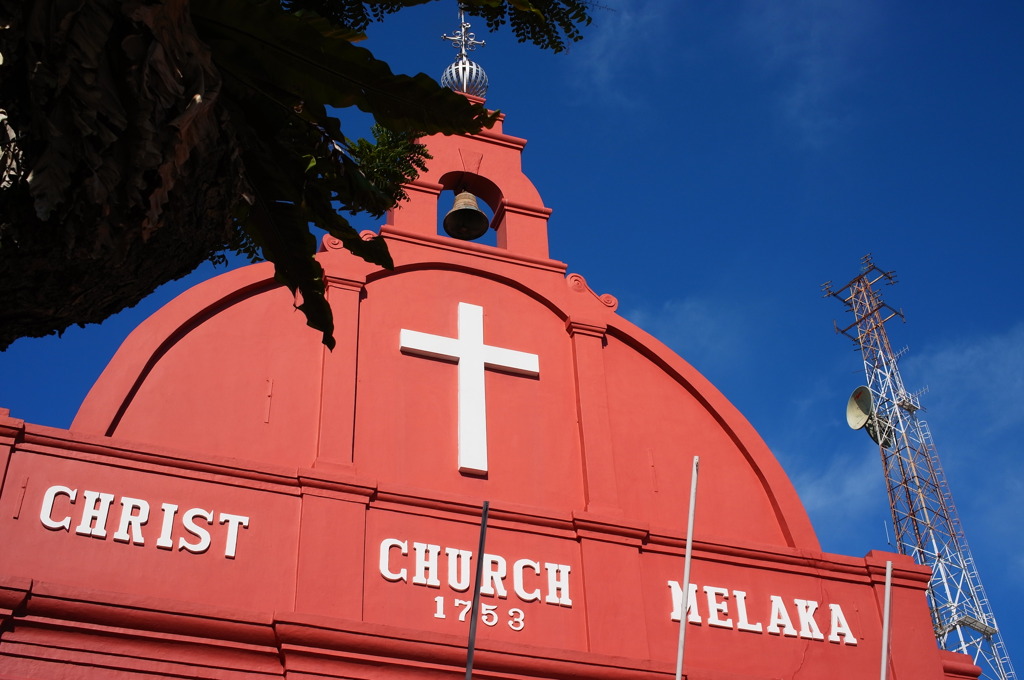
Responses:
[472,356]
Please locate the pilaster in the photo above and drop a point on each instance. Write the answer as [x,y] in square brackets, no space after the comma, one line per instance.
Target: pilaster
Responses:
[338,380]
[597,456]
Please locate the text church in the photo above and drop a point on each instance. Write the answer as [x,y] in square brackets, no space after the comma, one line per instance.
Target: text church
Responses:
[235,501]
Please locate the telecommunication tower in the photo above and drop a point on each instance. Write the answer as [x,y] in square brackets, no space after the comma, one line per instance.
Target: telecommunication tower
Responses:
[925,521]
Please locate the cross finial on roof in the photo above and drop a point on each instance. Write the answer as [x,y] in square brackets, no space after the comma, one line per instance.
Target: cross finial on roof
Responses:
[462,38]
[464,75]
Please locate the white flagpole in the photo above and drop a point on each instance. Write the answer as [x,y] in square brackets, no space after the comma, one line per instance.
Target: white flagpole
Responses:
[686,570]
[475,610]
[885,621]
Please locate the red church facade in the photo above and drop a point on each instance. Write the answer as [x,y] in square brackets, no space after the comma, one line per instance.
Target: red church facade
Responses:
[233,500]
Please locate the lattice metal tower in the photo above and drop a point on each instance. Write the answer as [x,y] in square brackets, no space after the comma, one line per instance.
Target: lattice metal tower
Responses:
[925,520]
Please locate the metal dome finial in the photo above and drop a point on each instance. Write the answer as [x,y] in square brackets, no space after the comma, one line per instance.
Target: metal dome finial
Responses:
[464,75]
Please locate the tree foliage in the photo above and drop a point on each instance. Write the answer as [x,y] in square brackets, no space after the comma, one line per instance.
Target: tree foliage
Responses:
[142,137]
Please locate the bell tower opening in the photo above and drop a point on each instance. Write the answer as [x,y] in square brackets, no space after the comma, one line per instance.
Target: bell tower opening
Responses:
[466,207]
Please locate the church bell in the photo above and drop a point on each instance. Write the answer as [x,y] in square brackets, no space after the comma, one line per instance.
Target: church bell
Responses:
[465,221]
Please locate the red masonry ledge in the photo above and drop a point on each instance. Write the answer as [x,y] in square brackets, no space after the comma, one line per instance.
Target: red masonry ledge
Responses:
[52,624]
[326,646]
[958,666]
[57,602]
[53,629]
[10,428]
[13,595]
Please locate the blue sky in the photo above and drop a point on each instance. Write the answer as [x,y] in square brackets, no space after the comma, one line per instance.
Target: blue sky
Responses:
[711,164]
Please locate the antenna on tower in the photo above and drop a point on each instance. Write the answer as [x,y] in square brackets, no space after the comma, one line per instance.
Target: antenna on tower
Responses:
[464,75]
[925,521]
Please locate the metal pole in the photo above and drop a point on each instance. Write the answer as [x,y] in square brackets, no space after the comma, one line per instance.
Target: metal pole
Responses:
[885,621]
[686,570]
[475,610]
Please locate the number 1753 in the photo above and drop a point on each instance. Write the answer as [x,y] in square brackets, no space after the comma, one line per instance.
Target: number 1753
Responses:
[489,614]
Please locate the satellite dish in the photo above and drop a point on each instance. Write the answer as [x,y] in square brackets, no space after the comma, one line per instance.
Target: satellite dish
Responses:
[859,415]
[858,408]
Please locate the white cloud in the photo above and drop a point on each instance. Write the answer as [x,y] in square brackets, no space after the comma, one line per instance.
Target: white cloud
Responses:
[975,381]
[707,334]
[624,36]
[846,485]
[810,47]
[844,494]
[973,410]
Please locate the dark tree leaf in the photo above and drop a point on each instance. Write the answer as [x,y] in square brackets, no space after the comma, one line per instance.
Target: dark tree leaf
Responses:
[142,138]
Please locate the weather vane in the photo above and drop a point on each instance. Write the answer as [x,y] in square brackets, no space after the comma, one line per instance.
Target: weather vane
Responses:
[463,75]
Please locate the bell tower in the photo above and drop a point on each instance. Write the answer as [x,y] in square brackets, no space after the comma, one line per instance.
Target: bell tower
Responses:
[483,167]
